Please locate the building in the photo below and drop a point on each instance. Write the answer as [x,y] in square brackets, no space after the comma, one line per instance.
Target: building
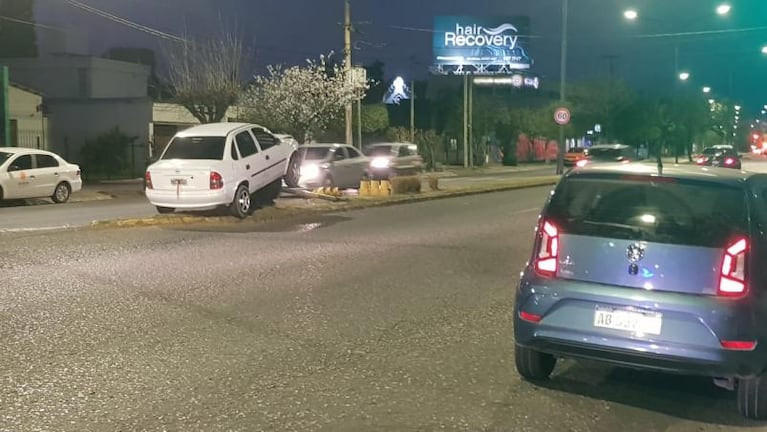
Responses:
[28,124]
[170,118]
[85,97]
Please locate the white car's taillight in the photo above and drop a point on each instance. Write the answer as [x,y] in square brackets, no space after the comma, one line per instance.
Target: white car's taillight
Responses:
[732,280]
[148,180]
[548,249]
[216,181]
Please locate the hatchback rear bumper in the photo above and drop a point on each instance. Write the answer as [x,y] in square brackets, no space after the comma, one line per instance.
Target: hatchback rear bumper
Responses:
[652,356]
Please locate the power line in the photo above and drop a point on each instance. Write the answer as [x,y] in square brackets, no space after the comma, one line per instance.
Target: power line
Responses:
[34,24]
[123,21]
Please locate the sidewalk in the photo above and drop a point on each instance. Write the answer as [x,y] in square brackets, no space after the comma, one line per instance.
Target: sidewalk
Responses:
[459,171]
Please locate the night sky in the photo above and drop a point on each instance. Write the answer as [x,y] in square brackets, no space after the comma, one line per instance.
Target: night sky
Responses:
[289,31]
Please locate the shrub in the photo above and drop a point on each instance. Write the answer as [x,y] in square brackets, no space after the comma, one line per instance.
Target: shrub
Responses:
[405,184]
[107,155]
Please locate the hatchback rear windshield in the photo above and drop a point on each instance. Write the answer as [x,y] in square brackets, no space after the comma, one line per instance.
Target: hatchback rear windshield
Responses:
[680,212]
[196,148]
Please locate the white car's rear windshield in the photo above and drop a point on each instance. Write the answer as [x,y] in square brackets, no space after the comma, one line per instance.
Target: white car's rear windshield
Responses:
[196,148]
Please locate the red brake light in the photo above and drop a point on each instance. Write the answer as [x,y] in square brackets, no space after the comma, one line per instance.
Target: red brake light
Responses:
[729,161]
[78,173]
[148,180]
[216,181]
[739,345]
[533,318]
[732,281]
[582,163]
[701,160]
[548,250]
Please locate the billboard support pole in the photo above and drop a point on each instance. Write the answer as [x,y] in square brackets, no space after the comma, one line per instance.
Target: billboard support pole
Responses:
[465,121]
[412,112]
[471,121]
[5,115]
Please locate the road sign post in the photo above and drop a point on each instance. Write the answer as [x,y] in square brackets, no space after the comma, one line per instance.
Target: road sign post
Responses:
[562,118]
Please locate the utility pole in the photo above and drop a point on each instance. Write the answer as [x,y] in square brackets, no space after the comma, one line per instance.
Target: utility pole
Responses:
[465,121]
[562,87]
[348,67]
[412,112]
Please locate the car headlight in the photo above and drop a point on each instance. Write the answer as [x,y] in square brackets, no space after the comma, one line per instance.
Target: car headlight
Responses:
[310,171]
[380,162]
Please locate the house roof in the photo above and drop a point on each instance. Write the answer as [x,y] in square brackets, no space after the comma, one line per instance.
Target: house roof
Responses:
[25,88]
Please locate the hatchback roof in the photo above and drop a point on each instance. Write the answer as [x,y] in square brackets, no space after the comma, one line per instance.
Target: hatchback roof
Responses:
[16,150]
[216,129]
[689,172]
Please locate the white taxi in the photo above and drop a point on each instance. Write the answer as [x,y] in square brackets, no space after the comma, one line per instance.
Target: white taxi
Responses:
[221,164]
[29,173]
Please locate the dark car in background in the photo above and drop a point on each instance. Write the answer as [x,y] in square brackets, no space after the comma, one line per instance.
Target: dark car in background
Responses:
[607,153]
[331,165]
[654,271]
[724,156]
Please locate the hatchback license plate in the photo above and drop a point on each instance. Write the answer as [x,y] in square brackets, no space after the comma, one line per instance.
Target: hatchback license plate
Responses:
[628,320]
[177,181]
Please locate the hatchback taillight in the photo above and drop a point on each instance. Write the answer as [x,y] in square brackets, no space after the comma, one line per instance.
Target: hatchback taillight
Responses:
[548,249]
[216,181]
[729,161]
[148,180]
[732,280]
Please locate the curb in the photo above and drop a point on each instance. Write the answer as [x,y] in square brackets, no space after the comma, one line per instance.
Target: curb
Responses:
[272,213]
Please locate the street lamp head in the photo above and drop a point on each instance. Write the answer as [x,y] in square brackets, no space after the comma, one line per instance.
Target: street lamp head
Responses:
[737,107]
[684,76]
[707,89]
[723,9]
[630,14]
[764,49]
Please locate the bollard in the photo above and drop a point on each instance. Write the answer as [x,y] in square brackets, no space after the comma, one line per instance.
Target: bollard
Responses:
[375,188]
[364,187]
[386,188]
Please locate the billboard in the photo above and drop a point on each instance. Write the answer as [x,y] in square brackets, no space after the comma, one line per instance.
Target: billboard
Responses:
[481,46]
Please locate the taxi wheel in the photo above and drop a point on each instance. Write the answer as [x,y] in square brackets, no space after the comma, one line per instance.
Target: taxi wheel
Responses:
[61,193]
[533,365]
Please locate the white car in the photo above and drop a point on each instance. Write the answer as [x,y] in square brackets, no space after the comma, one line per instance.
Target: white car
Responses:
[29,173]
[221,164]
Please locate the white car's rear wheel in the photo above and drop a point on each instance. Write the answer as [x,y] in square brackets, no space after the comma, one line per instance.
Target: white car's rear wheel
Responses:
[241,206]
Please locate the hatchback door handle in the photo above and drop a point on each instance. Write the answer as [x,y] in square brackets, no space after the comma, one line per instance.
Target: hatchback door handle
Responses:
[267,157]
[247,166]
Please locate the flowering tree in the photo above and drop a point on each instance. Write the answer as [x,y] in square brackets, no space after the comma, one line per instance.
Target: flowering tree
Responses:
[205,75]
[301,100]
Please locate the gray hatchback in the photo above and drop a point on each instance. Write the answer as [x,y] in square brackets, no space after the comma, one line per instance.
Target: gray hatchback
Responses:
[648,270]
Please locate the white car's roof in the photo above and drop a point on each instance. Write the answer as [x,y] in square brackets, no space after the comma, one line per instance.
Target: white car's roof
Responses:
[216,129]
[18,150]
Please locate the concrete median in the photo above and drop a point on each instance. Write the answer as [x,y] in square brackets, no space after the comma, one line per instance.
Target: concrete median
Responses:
[298,207]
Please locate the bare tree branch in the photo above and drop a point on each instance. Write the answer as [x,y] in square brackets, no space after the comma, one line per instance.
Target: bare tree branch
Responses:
[205,74]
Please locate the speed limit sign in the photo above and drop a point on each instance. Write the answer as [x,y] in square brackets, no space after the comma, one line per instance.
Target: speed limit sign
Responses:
[562,116]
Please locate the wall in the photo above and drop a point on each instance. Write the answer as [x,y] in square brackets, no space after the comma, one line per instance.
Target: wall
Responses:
[75,121]
[28,125]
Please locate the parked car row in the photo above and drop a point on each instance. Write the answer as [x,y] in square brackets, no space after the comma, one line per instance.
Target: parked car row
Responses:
[233,164]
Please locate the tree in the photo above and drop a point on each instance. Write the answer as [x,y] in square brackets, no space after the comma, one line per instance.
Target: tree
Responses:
[301,100]
[17,30]
[108,154]
[205,75]
[375,118]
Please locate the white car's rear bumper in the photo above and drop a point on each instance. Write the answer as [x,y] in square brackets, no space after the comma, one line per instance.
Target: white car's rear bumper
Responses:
[188,199]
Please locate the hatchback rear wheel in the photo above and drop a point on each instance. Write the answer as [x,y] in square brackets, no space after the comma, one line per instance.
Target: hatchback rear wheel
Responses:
[533,365]
[752,397]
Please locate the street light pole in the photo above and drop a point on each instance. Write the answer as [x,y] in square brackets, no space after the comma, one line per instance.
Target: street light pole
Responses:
[348,68]
[562,88]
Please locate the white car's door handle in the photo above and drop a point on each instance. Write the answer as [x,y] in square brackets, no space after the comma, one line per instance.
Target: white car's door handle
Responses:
[247,166]
[267,157]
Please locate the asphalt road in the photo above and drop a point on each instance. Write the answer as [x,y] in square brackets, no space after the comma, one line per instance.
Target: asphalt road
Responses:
[387,319]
